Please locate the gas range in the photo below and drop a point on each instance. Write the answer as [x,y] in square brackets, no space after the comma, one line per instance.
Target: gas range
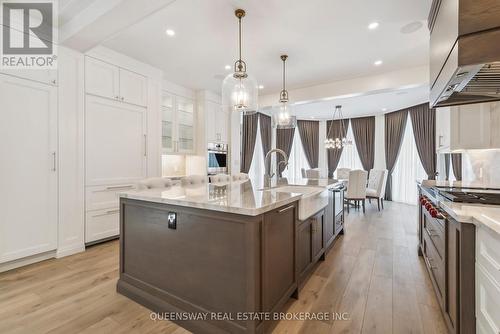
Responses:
[470,195]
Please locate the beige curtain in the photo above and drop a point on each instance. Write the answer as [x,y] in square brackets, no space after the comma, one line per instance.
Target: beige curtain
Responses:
[309,135]
[333,130]
[284,141]
[248,137]
[395,123]
[423,121]
[363,129]
[456,164]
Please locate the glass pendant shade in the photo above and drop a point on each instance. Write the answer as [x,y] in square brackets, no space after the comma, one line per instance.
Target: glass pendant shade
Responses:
[239,89]
[283,118]
[240,94]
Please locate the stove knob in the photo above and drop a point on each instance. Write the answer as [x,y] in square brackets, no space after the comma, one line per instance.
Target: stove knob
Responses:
[422,200]
[433,212]
[428,206]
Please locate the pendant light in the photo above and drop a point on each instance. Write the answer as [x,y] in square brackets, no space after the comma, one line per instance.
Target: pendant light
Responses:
[282,116]
[337,143]
[239,89]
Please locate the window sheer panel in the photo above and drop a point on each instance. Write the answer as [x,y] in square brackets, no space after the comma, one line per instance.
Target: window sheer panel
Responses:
[350,156]
[257,168]
[407,170]
[297,159]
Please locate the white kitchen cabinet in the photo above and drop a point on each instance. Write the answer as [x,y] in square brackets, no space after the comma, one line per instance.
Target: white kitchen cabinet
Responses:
[487,281]
[467,127]
[48,77]
[29,168]
[115,142]
[133,88]
[178,124]
[112,82]
[102,224]
[217,121]
[102,79]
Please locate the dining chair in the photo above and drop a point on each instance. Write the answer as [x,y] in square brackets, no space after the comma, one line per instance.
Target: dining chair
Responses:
[343,173]
[356,188]
[193,180]
[154,183]
[240,177]
[376,186]
[313,173]
[220,178]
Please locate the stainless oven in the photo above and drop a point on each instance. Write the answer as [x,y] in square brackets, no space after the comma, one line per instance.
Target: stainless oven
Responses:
[217,158]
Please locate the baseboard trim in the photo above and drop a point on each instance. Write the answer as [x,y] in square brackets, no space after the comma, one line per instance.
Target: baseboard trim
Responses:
[27,261]
[70,250]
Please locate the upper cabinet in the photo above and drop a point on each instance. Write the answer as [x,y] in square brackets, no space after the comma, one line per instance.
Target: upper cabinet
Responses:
[113,82]
[217,121]
[178,124]
[467,127]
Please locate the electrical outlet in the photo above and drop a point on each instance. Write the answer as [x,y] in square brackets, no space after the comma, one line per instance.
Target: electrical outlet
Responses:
[172,220]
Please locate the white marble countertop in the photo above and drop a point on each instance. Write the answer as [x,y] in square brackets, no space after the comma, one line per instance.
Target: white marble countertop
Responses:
[478,214]
[243,197]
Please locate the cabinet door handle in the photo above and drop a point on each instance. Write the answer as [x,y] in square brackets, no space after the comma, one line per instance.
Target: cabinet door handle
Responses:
[286,209]
[122,98]
[145,146]
[54,161]
[117,97]
[54,82]
[119,187]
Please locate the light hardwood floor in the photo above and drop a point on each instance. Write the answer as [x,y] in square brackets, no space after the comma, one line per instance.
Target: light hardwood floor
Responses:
[373,274]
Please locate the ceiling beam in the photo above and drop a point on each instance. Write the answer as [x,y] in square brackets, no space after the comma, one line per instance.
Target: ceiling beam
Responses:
[101,20]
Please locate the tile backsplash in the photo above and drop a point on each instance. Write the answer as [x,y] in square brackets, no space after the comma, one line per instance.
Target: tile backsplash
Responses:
[481,166]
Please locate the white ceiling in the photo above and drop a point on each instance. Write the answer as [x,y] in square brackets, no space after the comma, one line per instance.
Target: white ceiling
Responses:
[364,105]
[326,40]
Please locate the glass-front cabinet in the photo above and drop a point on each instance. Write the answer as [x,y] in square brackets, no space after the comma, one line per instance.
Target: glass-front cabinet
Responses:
[178,122]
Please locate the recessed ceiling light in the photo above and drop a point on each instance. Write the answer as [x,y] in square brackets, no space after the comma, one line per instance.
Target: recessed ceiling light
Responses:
[384,109]
[261,86]
[170,32]
[227,67]
[373,25]
[378,62]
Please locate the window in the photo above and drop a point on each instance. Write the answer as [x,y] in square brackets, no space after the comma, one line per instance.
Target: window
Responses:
[408,169]
[297,159]
[350,156]
[257,169]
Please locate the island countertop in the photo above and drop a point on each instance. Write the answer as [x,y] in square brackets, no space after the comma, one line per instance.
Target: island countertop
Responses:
[241,197]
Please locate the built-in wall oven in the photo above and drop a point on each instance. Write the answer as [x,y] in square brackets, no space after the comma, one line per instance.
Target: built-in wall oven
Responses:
[217,158]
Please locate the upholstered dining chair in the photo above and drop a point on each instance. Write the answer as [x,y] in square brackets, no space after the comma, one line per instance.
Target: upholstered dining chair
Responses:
[343,173]
[313,173]
[154,183]
[356,188]
[219,178]
[376,186]
[193,180]
[240,177]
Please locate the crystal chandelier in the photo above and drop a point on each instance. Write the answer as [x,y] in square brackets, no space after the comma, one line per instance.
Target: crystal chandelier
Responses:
[337,143]
[282,117]
[239,89]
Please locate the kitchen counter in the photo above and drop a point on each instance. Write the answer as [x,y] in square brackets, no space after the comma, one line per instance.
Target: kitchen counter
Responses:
[245,198]
[477,214]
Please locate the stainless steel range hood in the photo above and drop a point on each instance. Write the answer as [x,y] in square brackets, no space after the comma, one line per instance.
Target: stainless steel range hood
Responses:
[465,52]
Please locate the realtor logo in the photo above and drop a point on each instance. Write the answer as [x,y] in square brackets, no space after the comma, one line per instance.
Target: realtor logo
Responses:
[28,34]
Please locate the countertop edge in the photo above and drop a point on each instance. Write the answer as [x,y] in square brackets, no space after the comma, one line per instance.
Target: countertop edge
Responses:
[213,207]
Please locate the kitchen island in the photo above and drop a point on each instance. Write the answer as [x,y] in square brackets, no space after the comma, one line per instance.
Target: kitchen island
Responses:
[225,257]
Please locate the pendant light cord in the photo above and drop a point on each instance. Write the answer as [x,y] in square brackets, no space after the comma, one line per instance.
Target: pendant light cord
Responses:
[239,36]
[284,71]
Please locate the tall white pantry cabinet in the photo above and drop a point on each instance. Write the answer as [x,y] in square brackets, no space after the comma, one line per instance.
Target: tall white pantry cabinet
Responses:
[116,142]
[70,140]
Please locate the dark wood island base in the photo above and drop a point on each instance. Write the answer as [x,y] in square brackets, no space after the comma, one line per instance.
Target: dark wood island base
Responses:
[231,273]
